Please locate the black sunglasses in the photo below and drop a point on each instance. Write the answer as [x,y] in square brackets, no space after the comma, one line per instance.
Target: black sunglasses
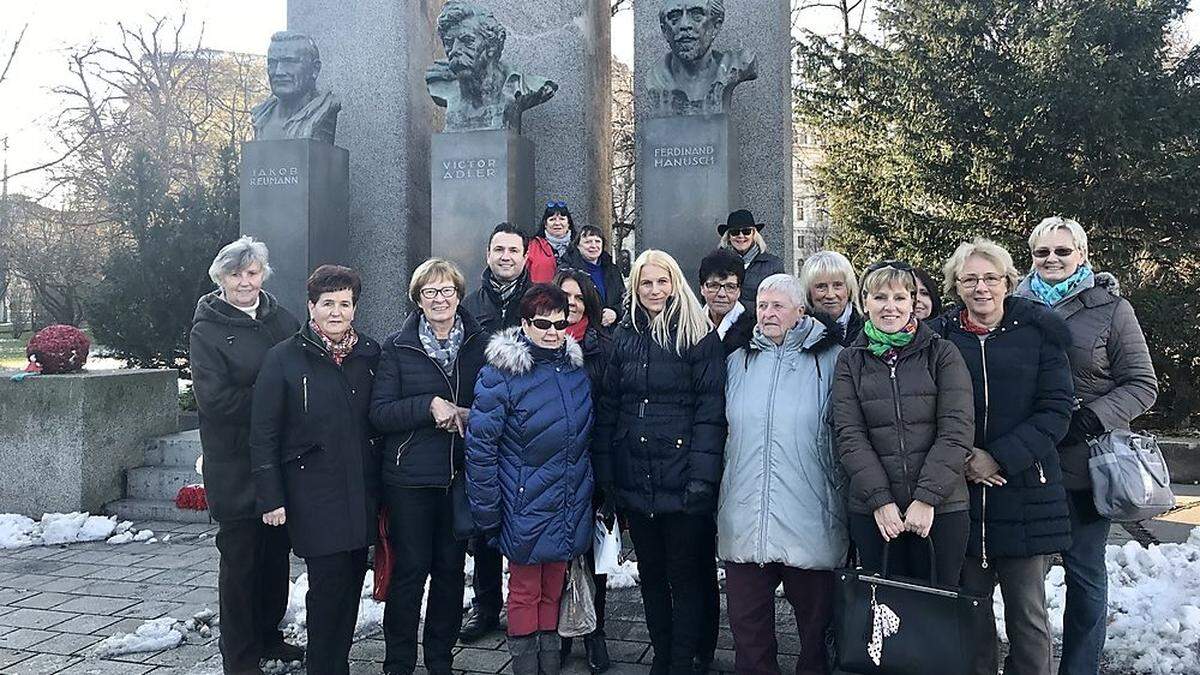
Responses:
[545,324]
[742,231]
[552,204]
[1061,252]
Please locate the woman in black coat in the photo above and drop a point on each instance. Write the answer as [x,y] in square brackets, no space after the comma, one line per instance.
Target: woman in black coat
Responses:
[591,255]
[315,461]
[659,444]
[1016,353]
[232,330]
[742,236]
[425,387]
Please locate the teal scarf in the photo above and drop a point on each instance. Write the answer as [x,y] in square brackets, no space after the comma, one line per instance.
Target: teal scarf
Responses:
[880,343]
[1052,295]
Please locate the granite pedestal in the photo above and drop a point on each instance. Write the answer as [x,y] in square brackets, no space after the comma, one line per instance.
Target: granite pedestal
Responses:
[66,441]
[478,179]
[295,197]
[688,176]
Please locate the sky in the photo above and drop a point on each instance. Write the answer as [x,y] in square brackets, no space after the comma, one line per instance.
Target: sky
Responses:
[27,102]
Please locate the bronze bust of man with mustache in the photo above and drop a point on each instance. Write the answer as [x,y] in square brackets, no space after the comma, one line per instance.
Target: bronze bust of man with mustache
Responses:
[478,89]
[295,108]
[693,78]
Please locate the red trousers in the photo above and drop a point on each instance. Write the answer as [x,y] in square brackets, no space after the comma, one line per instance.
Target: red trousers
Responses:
[534,592]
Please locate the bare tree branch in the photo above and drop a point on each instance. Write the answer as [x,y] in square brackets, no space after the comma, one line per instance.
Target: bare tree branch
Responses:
[12,54]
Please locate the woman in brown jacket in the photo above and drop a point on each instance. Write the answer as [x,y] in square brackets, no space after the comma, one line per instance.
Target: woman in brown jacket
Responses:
[904,418]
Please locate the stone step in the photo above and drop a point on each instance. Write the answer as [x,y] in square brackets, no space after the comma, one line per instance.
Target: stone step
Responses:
[179,449]
[159,482]
[146,510]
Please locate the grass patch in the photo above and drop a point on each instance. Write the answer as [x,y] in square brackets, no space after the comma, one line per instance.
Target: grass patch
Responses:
[12,352]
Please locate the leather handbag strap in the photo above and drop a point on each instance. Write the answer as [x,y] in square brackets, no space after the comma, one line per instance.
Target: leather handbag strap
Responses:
[933,576]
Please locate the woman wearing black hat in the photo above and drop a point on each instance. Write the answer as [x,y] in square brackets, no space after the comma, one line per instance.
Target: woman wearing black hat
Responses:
[743,236]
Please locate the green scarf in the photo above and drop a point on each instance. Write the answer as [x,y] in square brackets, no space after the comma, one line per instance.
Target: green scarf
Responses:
[881,343]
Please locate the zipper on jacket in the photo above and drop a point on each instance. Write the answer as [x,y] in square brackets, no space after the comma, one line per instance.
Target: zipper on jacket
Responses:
[762,520]
[900,430]
[983,528]
[400,448]
[986,406]
[1041,474]
[453,392]
[304,383]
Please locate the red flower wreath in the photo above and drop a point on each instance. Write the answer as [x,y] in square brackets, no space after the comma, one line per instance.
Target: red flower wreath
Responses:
[57,349]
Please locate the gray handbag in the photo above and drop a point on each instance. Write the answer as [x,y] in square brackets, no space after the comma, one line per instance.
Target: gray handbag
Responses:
[1130,479]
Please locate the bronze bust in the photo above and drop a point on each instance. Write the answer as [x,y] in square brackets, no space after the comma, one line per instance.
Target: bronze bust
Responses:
[693,78]
[478,89]
[295,108]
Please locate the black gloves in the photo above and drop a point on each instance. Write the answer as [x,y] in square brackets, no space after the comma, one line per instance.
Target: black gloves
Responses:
[1084,425]
[699,498]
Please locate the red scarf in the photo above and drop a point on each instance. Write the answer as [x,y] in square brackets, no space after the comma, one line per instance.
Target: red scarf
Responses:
[970,326]
[337,350]
[577,329]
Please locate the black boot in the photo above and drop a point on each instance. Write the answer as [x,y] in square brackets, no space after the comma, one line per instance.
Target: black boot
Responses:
[524,650]
[549,653]
[565,652]
[478,623]
[597,652]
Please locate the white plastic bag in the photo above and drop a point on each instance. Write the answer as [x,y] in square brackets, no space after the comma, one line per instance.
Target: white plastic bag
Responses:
[577,609]
[606,548]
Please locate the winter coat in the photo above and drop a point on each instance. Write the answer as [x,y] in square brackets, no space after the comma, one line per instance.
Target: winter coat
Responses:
[312,446]
[782,494]
[614,282]
[1023,397]
[597,349]
[541,261]
[660,431]
[415,452]
[529,473]
[904,432]
[741,332]
[492,318]
[764,265]
[1110,363]
[226,350]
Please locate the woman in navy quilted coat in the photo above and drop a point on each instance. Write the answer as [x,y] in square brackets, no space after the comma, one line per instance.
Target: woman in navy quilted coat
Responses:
[529,471]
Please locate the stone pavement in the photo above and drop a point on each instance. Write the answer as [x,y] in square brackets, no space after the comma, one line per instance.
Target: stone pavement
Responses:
[58,602]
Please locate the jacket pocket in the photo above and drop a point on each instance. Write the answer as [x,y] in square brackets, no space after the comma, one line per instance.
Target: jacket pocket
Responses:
[299,456]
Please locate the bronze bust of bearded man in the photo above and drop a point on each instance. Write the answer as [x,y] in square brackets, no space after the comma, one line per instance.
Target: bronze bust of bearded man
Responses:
[693,78]
[295,108]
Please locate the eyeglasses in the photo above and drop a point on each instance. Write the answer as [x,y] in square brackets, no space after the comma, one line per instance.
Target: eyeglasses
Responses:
[730,287]
[1061,251]
[741,231]
[991,280]
[545,324]
[446,292]
[553,204]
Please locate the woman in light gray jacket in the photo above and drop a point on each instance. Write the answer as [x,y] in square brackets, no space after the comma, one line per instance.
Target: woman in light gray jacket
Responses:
[781,513]
[1114,384]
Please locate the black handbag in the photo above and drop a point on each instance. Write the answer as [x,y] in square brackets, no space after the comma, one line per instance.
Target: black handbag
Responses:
[460,509]
[901,626]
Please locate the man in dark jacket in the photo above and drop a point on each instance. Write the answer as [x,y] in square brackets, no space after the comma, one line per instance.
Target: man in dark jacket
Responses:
[496,305]
[721,276]
[232,330]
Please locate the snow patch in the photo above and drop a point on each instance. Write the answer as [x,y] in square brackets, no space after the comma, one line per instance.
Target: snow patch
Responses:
[152,636]
[17,531]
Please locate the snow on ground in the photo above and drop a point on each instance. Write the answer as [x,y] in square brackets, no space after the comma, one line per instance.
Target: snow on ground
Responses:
[18,531]
[1153,607]
[152,636]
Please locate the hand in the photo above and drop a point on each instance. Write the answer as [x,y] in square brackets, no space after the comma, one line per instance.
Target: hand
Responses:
[608,317]
[983,469]
[275,518]
[699,498]
[445,414]
[918,518]
[887,518]
[463,413]
[1085,424]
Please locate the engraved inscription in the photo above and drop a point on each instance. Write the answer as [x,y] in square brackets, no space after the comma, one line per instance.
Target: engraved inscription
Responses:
[684,155]
[283,175]
[469,169]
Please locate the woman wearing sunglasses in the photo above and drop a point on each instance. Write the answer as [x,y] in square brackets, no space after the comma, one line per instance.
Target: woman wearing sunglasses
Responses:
[1114,384]
[905,425]
[741,235]
[1016,353]
[551,243]
[529,468]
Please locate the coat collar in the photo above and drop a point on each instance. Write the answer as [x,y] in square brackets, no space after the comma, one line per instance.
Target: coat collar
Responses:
[511,352]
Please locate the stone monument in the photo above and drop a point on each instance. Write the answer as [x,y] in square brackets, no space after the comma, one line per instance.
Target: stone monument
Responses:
[294,180]
[481,169]
[692,151]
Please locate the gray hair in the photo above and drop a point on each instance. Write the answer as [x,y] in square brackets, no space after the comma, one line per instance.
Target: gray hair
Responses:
[309,44]
[1053,223]
[488,26]
[716,9]
[237,256]
[826,264]
[786,284]
[986,249]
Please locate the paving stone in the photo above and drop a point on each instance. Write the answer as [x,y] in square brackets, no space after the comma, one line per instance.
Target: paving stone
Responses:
[42,600]
[368,650]
[101,667]
[185,655]
[27,566]
[625,650]
[484,660]
[150,609]
[96,605]
[8,657]
[34,618]
[79,569]
[205,579]
[65,643]
[86,624]
[63,585]
[202,596]
[23,638]
[122,625]
[43,664]
[125,589]
[177,577]
[11,596]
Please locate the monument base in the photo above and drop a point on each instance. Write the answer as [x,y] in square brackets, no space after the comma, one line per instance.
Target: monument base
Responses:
[295,197]
[478,179]
[687,176]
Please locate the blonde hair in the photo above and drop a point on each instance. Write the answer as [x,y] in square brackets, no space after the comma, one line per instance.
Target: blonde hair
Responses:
[888,276]
[1048,225]
[685,309]
[986,249]
[431,270]
[758,241]
[825,264]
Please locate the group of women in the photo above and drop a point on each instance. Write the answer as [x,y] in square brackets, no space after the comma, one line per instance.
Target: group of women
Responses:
[856,416]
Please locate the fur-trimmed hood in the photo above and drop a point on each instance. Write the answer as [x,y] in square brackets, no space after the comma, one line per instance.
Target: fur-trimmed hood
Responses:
[510,351]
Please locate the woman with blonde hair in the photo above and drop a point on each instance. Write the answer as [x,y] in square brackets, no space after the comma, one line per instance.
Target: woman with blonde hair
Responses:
[742,236]
[659,441]
[831,293]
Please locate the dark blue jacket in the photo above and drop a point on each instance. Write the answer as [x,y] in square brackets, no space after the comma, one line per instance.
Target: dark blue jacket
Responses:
[529,472]
[1023,399]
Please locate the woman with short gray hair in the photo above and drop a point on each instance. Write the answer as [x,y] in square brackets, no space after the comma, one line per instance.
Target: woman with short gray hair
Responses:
[1114,384]
[233,328]
[831,289]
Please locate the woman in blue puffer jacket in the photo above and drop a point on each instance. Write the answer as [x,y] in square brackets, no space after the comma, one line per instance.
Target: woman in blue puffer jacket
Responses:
[529,471]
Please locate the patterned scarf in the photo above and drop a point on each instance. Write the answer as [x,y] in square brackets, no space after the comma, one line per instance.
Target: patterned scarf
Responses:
[750,254]
[887,346]
[502,291]
[1052,294]
[964,318]
[559,244]
[442,351]
[336,350]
